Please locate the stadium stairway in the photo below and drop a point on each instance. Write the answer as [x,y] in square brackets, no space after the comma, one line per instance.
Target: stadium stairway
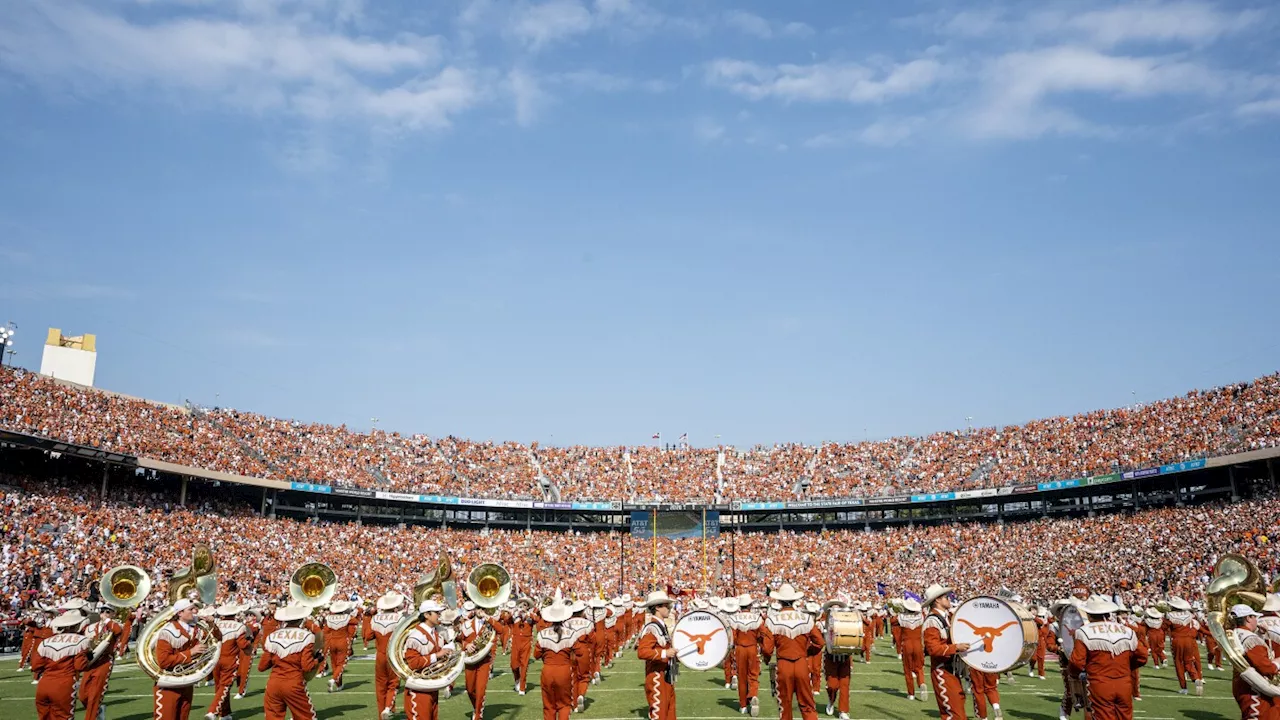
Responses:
[203,415]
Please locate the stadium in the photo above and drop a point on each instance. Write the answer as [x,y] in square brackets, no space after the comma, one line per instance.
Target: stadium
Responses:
[639,360]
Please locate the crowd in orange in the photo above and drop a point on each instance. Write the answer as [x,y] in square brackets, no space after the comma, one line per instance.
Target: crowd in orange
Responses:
[1202,423]
[59,537]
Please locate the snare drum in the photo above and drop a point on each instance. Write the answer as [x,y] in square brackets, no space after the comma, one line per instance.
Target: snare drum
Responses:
[844,632]
[1002,633]
[701,640]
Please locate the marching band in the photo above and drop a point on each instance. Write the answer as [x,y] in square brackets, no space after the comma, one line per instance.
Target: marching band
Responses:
[425,641]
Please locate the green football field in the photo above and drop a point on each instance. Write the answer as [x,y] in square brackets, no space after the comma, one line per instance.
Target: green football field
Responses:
[877,692]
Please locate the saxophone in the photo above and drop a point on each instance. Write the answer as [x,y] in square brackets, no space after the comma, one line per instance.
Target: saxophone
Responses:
[200,578]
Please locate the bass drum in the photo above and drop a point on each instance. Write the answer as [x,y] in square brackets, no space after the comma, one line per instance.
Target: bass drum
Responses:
[844,632]
[701,640]
[1003,633]
[1070,621]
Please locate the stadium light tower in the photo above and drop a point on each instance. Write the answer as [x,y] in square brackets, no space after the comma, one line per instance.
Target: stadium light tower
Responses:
[6,342]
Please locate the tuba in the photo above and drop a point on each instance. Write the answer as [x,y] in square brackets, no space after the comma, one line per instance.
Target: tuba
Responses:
[441,673]
[488,586]
[200,578]
[123,586]
[1236,580]
[313,585]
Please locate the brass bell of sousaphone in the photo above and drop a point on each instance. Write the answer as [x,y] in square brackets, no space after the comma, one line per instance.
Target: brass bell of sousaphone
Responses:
[313,584]
[489,585]
[124,586]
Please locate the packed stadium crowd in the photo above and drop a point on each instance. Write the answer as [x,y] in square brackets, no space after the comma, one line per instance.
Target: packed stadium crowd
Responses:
[58,537]
[1228,419]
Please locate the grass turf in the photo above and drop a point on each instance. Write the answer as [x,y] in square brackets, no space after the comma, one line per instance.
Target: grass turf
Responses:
[877,691]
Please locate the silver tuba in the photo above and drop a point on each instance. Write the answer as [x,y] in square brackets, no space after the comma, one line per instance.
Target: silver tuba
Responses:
[201,579]
[313,585]
[441,673]
[488,586]
[123,586]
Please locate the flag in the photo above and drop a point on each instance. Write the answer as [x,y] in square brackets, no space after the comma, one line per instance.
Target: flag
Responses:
[684,437]
[657,435]
[908,595]
[880,589]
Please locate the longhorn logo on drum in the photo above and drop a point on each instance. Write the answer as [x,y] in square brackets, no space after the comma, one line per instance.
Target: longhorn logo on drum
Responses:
[986,634]
[701,640]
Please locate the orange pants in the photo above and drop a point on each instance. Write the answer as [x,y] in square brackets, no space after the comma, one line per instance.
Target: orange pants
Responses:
[557,691]
[838,669]
[242,671]
[1037,663]
[984,691]
[949,693]
[793,679]
[385,683]
[224,676]
[93,687]
[53,700]
[729,669]
[1155,643]
[338,661]
[282,695]
[28,642]
[1110,700]
[520,663]
[913,668]
[477,679]
[867,641]
[1252,707]
[1214,652]
[660,696]
[1133,679]
[421,705]
[581,675]
[815,672]
[1186,661]
[171,703]
[748,662]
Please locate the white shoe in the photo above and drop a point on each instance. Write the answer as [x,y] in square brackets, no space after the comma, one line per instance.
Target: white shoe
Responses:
[1137,697]
[1199,688]
[1041,677]
[582,703]
[844,716]
[755,707]
[726,686]
[1182,691]
[211,716]
[743,710]
[331,684]
[386,713]
[831,710]
[35,682]
[733,683]
[521,692]
[911,697]
[899,656]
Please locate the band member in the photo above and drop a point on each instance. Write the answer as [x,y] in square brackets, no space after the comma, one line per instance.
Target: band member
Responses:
[795,638]
[385,681]
[42,632]
[253,629]
[522,626]
[911,645]
[235,639]
[176,644]
[424,645]
[748,638]
[554,647]
[1182,626]
[1105,652]
[583,654]
[1044,644]
[29,626]
[1155,637]
[654,648]
[58,660]
[1269,623]
[947,688]
[895,630]
[269,622]
[1253,705]
[1212,652]
[985,691]
[838,669]
[813,609]
[339,629]
[730,666]
[93,684]
[290,654]
[1133,621]
[477,673]
[611,630]
[868,635]
[597,611]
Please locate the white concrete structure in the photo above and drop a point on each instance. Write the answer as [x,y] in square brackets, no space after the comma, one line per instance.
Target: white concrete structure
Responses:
[73,359]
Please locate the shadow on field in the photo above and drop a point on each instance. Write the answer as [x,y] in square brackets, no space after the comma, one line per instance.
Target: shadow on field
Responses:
[322,713]
[884,712]
[353,685]
[1201,714]
[731,703]
[497,711]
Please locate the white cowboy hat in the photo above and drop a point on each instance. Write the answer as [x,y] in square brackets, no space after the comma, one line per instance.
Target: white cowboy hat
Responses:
[775,605]
[67,620]
[577,606]
[207,611]
[290,613]
[229,609]
[1098,605]
[1272,603]
[786,593]
[934,592]
[1178,603]
[626,597]
[182,604]
[556,612]
[468,606]
[715,600]
[657,597]
[729,605]
[699,604]
[1154,614]
[390,601]
[745,600]
[76,604]
[339,606]
[812,608]
[509,605]
[430,605]
[597,603]
[911,605]
[448,616]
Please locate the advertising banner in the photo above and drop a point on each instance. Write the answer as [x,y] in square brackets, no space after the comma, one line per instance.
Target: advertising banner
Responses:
[310,487]
[1182,466]
[355,492]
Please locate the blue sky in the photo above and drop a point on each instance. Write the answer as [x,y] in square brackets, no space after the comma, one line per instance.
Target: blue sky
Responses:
[590,220]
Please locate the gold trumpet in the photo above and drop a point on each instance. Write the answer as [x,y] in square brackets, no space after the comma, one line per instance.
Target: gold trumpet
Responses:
[1236,580]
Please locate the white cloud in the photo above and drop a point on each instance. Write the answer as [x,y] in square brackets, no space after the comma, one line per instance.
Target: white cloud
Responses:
[1260,108]
[823,82]
[708,130]
[538,25]
[249,62]
[1191,22]
[751,24]
[528,95]
[597,81]
[888,132]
